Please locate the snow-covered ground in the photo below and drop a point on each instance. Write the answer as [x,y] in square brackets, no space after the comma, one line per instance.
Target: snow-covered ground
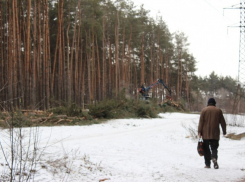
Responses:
[134,150]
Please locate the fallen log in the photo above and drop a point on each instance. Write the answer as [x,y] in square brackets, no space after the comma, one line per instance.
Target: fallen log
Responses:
[53,120]
[59,121]
[233,136]
[61,116]
[37,120]
[229,135]
[104,179]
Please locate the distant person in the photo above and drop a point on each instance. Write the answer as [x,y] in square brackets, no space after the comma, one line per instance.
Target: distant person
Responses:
[208,128]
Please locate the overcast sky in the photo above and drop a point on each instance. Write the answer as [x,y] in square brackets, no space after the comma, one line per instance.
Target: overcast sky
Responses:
[206,23]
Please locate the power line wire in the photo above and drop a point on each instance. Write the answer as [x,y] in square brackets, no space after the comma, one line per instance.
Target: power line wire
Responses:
[211,5]
[222,14]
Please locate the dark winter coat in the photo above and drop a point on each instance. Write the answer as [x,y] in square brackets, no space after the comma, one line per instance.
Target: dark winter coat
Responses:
[210,119]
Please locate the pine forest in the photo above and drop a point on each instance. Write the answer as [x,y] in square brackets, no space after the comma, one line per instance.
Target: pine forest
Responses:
[86,51]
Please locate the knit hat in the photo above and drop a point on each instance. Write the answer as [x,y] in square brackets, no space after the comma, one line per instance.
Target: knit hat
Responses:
[211,101]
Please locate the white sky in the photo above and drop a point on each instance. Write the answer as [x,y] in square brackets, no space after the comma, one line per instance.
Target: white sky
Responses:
[214,45]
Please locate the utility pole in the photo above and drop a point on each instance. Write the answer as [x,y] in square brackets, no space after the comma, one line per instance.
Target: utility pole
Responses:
[241,67]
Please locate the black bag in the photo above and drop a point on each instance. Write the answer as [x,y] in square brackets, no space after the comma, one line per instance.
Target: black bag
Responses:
[200,149]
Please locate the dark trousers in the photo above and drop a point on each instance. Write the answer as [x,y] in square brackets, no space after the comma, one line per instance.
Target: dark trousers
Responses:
[210,150]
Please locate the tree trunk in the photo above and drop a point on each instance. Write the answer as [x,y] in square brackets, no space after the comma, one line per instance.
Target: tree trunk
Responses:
[116,60]
[93,86]
[47,60]
[104,76]
[88,70]
[28,50]
[68,65]
[9,60]
[110,70]
[152,62]
[98,72]
[142,64]
[33,87]
[76,83]
[38,56]
[129,68]
[117,71]
[14,52]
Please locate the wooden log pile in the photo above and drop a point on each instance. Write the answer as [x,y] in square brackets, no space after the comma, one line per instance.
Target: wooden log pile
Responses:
[171,103]
[41,117]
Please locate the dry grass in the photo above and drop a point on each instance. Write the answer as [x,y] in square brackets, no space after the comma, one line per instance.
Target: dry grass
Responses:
[191,129]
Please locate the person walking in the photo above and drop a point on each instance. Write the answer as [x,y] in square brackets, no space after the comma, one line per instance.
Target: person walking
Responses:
[208,128]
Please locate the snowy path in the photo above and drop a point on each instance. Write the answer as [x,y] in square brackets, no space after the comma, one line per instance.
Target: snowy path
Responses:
[136,150]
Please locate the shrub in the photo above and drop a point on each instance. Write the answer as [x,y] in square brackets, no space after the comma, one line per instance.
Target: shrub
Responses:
[144,109]
[88,116]
[123,108]
[103,109]
[16,119]
[74,110]
[235,120]
[2,115]
[19,147]
[59,110]
[69,110]
[191,129]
